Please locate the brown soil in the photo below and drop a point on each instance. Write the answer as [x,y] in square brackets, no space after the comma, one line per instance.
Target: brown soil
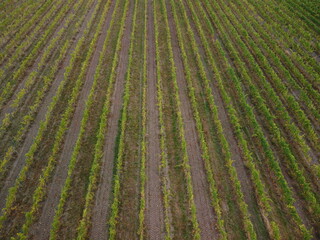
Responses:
[42,227]
[99,228]
[32,132]
[154,206]
[205,213]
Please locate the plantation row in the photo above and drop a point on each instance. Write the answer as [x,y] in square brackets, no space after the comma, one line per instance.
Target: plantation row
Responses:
[140,119]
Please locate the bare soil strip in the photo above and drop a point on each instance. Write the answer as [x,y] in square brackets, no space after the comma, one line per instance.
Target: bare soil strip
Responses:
[154,206]
[99,228]
[42,228]
[19,162]
[205,214]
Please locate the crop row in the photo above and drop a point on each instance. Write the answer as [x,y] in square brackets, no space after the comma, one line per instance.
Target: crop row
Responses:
[26,63]
[74,158]
[265,111]
[274,19]
[16,47]
[274,51]
[16,19]
[31,79]
[19,35]
[163,137]
[204,146]
[84,224]
[282,90]
[29,117]
[11,197]
[248,111]
[186,165]
[123,123]
[289,125]
[166,191]
[143,144]
[278,84]
[255,174]
[260,191]
[309,17]
[39,193]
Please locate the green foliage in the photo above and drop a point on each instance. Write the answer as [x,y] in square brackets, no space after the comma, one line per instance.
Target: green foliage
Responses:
[143,143]
[43,127]
[84,224]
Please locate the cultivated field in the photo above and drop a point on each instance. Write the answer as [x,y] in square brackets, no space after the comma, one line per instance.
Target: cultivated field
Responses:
[159,119]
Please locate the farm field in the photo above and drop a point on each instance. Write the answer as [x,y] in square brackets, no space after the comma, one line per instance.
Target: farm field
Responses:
[159,119]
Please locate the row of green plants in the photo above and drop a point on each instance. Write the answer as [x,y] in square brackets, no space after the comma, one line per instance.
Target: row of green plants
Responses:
[40,191]
[286,65]
[30,155]
[265,111]
[19,35]
[11,50]
[258,40]
[310,7]
[289,16]
[32,110]
[186,165]
[273,17]
[143,143]
[123,123]
[216,202]
[164,166]
[255,174]
[309,17]
[18,74]
[84,224]
[16,18]
[75,154]
[30,81]
[260,191]
[301,141]
[298,40]
[6,9]
[275,100]
[257,129]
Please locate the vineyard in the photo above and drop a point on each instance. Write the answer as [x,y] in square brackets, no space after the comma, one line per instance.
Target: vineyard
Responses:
[159,119]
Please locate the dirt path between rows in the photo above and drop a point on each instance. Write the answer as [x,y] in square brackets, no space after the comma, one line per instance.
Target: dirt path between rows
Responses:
[42,227]
[99,230]
[236,155]
[154,205]
[32,132]
[7,107]
[205,213]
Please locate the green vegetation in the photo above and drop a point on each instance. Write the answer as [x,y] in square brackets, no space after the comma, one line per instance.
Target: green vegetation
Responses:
[209,107]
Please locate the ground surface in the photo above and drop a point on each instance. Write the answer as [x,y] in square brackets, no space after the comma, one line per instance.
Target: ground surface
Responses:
[169,119]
